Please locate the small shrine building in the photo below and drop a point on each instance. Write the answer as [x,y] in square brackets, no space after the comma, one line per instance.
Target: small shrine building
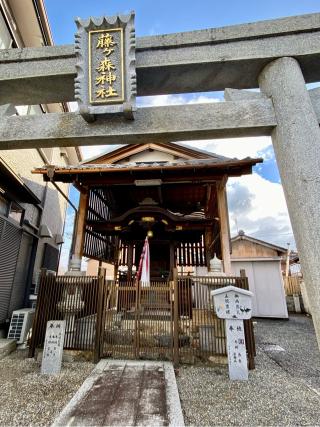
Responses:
[173,193]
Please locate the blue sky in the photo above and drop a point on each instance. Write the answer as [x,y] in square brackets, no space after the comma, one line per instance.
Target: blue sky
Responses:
[256,202]
[172,16]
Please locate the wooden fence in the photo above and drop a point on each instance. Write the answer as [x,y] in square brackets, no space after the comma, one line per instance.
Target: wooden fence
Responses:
[292,285]
[160,320]
[74,298]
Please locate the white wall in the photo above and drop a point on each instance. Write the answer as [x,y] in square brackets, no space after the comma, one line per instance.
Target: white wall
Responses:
[265,281]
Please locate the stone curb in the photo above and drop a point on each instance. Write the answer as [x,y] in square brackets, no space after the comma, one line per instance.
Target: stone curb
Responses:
[175,415]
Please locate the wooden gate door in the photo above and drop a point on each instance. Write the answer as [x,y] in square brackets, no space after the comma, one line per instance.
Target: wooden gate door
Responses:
[166,320]
[155,321]
[137,321]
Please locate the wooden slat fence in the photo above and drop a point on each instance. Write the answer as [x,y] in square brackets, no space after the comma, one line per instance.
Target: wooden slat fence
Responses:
[160,320]
[198,324]
[191,254]
[73,298]
[292,285]
[137,321]
[98,245]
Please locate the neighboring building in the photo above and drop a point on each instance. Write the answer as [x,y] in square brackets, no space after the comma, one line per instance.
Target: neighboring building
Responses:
[30,209]
[262,264]
[294,264]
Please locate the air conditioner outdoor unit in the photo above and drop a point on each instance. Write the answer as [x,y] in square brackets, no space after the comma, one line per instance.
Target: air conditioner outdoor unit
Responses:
[21,322]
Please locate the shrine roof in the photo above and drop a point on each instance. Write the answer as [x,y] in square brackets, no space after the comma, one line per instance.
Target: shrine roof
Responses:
[157,165]
[179,149]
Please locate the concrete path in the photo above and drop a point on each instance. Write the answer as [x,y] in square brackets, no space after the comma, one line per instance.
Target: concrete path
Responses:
[130,393]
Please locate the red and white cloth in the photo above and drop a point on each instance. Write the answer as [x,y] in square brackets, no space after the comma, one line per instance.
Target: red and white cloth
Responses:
[144,265]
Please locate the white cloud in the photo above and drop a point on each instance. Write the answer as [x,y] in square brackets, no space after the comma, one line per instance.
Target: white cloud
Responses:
[258,207]
[94,150]
[73,106]
[162,100]
[236,147]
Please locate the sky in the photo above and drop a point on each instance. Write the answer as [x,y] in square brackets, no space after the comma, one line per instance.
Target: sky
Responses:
[256,202]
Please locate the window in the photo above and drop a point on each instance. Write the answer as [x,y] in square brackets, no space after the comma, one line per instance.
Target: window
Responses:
[5,36]
[16,212]
[4,205]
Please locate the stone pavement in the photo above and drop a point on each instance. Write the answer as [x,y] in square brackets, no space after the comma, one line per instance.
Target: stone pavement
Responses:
[131,393]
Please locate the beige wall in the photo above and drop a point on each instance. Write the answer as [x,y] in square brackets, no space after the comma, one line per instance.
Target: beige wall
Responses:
[54,205]
[21,18]
[148,156]
[246,249]
[93,266]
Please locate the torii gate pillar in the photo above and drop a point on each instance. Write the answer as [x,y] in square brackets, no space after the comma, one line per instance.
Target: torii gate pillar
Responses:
[296,142]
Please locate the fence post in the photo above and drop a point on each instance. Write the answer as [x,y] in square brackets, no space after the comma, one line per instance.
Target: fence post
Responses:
[100,309]
[32,347]
[175,318]
[248,329]
[137,320]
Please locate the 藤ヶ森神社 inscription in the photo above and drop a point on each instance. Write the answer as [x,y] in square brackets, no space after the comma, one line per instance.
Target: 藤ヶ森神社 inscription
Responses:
[106,66]
[106,74]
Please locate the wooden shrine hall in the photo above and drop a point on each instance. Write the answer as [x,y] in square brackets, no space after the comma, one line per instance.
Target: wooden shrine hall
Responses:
[173,193]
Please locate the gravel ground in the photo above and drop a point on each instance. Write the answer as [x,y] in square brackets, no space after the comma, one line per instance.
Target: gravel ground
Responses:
[283,390]
[28,398]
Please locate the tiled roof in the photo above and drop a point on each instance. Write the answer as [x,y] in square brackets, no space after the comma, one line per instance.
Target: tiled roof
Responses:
[148,165]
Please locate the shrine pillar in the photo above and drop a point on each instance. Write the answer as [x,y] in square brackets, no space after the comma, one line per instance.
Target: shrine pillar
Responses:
[130,261]
[296,142]
[224,226]
[78,234]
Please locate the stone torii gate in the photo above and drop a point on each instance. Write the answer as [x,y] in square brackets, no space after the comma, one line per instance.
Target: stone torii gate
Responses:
[278,56]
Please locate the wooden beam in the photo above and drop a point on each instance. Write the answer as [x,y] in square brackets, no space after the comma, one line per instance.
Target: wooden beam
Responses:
[80,228]
[224,227]
[211,201]
[208,237]
[130,261]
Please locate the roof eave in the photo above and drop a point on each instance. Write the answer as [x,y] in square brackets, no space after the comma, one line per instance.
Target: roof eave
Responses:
[99,169]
